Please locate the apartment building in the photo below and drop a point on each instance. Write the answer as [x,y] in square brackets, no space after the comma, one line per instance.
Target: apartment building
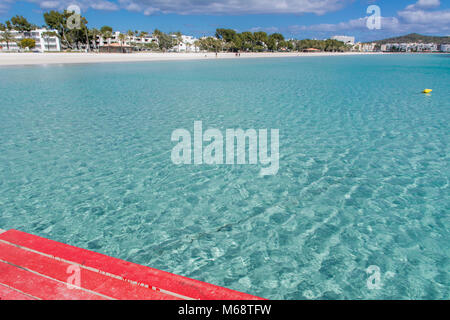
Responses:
[444,48]
[410,47]
[187,44]
[128,40]
[43,42]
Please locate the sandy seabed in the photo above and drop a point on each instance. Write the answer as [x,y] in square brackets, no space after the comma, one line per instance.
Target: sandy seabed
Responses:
[10,59]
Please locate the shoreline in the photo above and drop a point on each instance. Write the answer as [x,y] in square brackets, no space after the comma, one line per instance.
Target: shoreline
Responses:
[29,59]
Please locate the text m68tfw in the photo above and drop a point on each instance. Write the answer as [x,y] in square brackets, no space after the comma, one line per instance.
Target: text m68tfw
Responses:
[246,309]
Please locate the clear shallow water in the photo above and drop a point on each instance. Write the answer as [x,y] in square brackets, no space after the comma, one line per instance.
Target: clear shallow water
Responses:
[363,180]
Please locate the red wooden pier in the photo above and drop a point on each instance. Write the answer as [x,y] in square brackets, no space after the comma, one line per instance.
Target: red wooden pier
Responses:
[35,268]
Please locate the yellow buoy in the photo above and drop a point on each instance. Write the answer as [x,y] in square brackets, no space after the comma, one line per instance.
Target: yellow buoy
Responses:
[427,91]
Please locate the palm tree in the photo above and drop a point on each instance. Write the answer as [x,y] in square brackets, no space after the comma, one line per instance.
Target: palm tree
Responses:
[8,37]
[94,33]
[122,38]
[84,23]
[106,33]
[130,35]
[179,40]
[143,34]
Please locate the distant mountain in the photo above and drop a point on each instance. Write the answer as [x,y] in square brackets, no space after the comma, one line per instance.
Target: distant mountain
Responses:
[415,37]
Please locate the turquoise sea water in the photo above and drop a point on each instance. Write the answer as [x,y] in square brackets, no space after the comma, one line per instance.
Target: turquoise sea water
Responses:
[363,180]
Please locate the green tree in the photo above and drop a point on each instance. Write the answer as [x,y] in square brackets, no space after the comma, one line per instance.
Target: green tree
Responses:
[275,41]
[27,43]
[69,37]
[85,31]
[122,38]
[130,35]
[57,21]
[283,45]
[248,41]
[290,45]
[165,41]
[237,43]
[93,34]
[210,44]
[80,34]
[178,35]
[106,33]
[261,38]
[143,34]
[272,44]
[47,35]
[106,29]
[21,24]
[8,37]
[226,35]
[151,46]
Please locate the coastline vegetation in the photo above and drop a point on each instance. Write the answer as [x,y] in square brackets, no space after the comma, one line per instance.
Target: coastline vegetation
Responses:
[225,40]
[230,40]
[18,24]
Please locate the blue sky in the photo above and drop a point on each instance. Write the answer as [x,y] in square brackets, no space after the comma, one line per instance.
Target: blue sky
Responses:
[293,18]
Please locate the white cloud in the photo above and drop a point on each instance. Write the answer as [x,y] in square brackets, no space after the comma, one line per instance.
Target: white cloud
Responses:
[50,4]
[4,5]
[414,18]
[420,17]
[103,5]
[426,17]
[265,29]
[63,4]
[423,16]
[131,6]
[199,6]
[389,23]
[239,6]
[424,4]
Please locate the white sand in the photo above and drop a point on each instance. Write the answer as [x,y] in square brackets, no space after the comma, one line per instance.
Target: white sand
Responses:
[9,59]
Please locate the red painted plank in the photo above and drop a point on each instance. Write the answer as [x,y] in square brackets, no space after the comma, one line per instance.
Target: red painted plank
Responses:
[128,271]
[90,280]
[40,287]
[10,294]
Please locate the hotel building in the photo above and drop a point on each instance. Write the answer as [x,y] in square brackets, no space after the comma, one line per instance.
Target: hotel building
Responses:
[43,42]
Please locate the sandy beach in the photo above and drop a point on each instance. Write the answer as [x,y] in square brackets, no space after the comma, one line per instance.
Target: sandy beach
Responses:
[11,59]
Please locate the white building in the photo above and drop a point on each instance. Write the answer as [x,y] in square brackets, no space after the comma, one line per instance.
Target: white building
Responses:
[410,47]
[345,39]
[43,41]
[364,47]
[133,40]
[445,47]
[187,44]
